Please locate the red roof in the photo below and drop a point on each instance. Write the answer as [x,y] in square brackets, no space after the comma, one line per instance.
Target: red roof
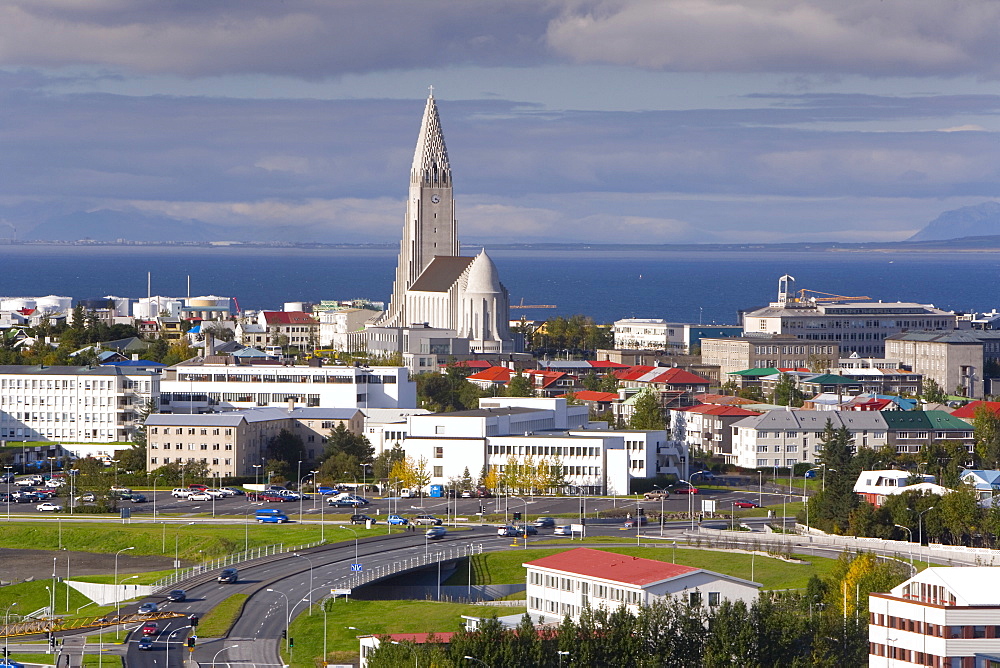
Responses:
[420,638]
[633,372]
[968,411]
[801,368]
[712,409]
[547,377]
[469,364]
[611,566]
[723,399]
[288,318]
[494,374]
[676,376]
[607,365]
[592,395]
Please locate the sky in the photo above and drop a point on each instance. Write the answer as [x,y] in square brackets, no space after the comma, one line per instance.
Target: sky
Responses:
[634,121]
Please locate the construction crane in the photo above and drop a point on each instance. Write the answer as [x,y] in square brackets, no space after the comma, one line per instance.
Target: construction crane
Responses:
[523,305]
[830,297]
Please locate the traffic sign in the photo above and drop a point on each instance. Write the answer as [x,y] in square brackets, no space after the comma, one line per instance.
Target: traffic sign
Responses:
[340,592]
[356,568]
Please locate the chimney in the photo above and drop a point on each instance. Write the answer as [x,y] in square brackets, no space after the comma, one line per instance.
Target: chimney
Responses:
[291,404]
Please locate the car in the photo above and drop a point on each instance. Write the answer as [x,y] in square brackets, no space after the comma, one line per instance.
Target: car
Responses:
[436,532]
[229,576]
[49,507]
[545,523]
[484,493]
[289,495]
[234,491]
[508,530]
[346,503]
[215,493]
[197,487]
[150,629]
[744,503]
[527,529]
[427,519]
[180,493]
[274,497]
[362,519]
[147,608]
[45,493]
[563,530]
[323,490]
[396,519]
[144,643]
[135,497]
[6,497]
[467,494]
[54,483]
[656,494]
[811,473]
[87,497]
[639,520]
[8,662]
[27,482]
[685,489]
[177,595]
[199,496]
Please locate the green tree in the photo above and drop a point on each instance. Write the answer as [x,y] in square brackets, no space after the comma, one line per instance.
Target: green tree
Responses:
[646,412]
[933,392]
[520,386]
[466,482]
[343,440]
[287,449]
[383,463]
[832,507]
[340,466]
[786,393]
[986,424]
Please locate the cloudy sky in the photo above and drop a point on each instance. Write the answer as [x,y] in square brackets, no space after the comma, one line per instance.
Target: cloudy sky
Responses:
[578,120]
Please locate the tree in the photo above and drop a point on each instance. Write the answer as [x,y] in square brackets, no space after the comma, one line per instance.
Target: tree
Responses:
[343,440]
[933,392]
[520,386]
[339,466]
[403,473]
[646,412]
[421,474]
[383,463]
[466,482]
[986,424]
[833,506]
[286,449]
[786,393]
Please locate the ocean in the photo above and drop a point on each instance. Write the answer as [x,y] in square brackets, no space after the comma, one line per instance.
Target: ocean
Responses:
[682,286]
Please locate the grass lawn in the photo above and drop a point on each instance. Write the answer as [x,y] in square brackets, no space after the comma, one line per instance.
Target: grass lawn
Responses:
[505,567]
[218,621]
[194,542]
[89,660]
[790,509]
[373,617]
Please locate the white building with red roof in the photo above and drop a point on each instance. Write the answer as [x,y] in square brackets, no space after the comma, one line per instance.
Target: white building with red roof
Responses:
[567,582]
[299,328]
[707,427]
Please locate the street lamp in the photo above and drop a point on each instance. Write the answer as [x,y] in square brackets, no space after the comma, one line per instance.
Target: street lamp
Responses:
[154,495]
[118,593]
[760,487]
[355,541]
[9,469]
[690,500]
[561,655]
[220,652]
[296,554]
[256,476]
[662,496]
[118,603]
[472,658]
[6,622]
[275,591]
[910,533]
[524,521]
[920,524]
[115,462]
[166,660]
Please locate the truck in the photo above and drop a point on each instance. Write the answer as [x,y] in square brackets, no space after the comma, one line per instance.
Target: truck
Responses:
[271,515]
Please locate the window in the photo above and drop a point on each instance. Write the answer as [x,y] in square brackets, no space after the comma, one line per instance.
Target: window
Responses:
[694,598]
[713,598]
[439,429]
[438,471]
[438,452]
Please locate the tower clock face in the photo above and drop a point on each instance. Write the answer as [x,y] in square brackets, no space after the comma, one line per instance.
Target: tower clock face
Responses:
[435,199]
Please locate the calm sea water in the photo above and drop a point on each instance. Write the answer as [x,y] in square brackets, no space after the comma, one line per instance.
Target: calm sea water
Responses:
[606,285]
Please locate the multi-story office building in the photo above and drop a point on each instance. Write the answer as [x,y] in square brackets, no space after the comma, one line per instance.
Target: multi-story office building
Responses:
[233,443]
[955,360]
[228,383]
[74,403]
[856,326]
[674,337]
[779,351]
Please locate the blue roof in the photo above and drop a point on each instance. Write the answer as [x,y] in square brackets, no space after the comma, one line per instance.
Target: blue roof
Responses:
[904,404]
[196,329]
[139,363]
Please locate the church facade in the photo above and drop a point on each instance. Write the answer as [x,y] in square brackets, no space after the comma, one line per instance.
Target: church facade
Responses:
[442,303]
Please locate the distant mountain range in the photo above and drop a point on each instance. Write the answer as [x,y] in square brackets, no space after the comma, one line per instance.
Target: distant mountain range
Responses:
[110,225]
[981,220]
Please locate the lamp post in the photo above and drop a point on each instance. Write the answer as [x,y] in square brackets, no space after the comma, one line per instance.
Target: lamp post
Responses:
[298,478]
[355,541]
[322,519]
[220,652]
[920,524]
[296,554]
[8,468]
[6,622]
[117,592]
[154,495]
[690,501]
[472,658]
[760,487]
[115,463]
[561,655]
[166,659]
[275,591]
[256,476]
[524,520]
[118,603]
[910,534]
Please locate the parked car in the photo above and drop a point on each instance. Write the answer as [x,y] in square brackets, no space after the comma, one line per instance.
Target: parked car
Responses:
[361,519]
[145,643]
[148,607]
[326,491]
[467,494]
[87,497]
[6,497]
[484,493]
[216,493]
[49,507]
[436,532]
[54,483]
[656,494]
[150,629]
[233,491]
[344,502]
[639,520]
[27,482]
[685,489]
[177,596]
[272,496]
[545,522]
[563,530]
[396,519]
[745,503]
[199,496]
[427,519]
[197,487]
[180,493]
[136,497]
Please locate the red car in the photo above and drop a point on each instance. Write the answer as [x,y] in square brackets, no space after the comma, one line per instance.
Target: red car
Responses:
[198,487]
[150,629]
[743,503]
[273,497]
[685,490]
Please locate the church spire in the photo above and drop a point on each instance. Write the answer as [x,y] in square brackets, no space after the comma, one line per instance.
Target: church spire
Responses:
[430,159]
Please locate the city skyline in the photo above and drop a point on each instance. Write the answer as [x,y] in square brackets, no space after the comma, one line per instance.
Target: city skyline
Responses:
[697,121]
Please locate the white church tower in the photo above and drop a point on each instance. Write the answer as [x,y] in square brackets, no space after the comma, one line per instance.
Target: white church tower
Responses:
[429,229]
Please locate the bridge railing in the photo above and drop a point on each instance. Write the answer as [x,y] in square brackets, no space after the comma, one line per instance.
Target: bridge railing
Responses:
[437,555]
[228,561]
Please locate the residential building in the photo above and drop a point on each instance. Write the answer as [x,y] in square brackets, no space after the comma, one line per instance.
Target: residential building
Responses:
[782,351]
[960,362]
[290,328]
[233,443]
[675,386]
[874,486]
[707,427]
[74,403]
[909,431]
[674,337]
[336,325]
[941,617]
[223,383]
[566,583]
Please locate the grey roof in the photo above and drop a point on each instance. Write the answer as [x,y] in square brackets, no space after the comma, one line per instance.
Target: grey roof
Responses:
[971,336]
[391,415]
[486,412]
[42,370]
[441,273]
[324,413]
[813,420]
[233,418]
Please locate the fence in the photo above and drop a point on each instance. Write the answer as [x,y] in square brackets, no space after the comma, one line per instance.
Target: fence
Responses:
[227,561]
[410,563]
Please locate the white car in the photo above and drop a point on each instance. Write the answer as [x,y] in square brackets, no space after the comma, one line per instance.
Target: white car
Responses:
[199,496]
[28,482]
[52,483]
[565,530]
[180,493]
[51,507]
[217,493]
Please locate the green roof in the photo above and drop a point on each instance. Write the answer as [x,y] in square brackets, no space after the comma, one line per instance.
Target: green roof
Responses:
[755,372]
[925,420]
[832,379]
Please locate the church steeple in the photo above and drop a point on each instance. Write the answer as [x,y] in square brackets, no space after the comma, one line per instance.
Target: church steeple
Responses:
[430,160]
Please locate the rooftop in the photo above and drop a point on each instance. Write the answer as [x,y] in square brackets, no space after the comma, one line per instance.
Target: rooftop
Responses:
[612,567]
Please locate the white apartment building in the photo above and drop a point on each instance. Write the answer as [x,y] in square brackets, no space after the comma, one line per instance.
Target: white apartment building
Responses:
[336,324]
[785,438]
[533,430]
[567,582]
[225,383]
[386,427]
[856,326]
[73,403]
[658,334]
[941,617]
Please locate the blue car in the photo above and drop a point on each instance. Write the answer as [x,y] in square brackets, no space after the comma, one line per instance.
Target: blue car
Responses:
[396,519]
